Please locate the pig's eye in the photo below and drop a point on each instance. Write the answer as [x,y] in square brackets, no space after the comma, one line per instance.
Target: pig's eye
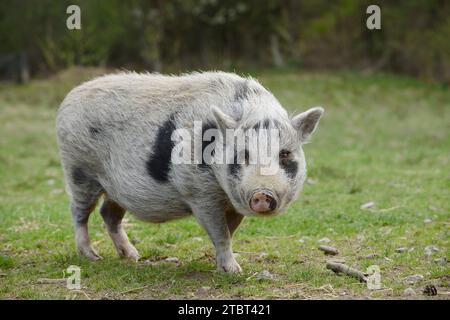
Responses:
[285,154]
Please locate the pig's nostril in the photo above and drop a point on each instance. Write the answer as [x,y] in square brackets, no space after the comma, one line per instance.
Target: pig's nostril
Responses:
[272,203]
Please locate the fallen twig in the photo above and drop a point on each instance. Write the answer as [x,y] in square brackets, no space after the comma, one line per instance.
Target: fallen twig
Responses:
[328,288]
[387,209]
[281,237]
[247,252]
[251,276]
[85,294]
[134,289]
[329,250]
[340,267]
[51,281]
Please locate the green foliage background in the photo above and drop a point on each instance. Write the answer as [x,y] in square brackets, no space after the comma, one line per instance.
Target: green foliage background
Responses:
[167,35]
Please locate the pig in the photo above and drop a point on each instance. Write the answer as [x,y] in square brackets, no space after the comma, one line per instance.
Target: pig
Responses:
[115,136]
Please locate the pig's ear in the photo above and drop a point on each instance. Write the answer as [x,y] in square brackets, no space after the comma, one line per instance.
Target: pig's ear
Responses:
[224,120]
[306,122]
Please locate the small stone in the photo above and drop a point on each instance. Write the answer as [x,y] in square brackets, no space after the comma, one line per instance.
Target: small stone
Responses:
[324,240]
[205,289]
[329,250]
[401,249]
[197,238]
[368,205]
[262,256]
[264,275]
[414,279]
[51,182]
[442,261]
[430,250]
[427,221]
[430,290]
[408,292]
[172,259]
[343,293]
[304,239]
[372,256]
[360,237]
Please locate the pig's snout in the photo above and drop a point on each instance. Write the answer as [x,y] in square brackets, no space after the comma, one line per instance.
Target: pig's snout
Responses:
[263,202]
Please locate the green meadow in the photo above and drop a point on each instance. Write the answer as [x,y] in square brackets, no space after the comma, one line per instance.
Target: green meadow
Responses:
[383,139]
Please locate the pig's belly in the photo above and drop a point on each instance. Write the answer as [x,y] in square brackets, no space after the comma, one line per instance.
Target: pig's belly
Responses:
[159,212]
[159,217]
[159,204]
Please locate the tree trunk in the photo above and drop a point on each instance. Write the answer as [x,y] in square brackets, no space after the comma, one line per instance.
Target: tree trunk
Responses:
[277,59]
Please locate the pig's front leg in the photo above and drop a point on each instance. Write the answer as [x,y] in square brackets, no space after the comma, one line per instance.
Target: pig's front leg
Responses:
[215,224]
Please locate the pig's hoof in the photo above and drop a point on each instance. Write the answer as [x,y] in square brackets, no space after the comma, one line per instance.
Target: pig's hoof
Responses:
[230,267]
[129,252]
[90,253]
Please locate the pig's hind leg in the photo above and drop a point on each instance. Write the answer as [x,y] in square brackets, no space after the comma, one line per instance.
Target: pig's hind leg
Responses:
[113,214]
[85,193]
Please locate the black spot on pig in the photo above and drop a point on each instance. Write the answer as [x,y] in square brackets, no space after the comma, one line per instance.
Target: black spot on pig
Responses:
[207,126]
[290,167]
[234,169]
[159,162]
[276,124]
[266,124]
[94,132]
[78,176]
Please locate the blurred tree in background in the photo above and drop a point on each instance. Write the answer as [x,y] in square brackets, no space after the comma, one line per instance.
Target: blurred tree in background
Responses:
[168,35]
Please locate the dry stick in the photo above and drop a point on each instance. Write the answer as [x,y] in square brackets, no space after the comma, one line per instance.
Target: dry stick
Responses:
[281,237]
[134,290]
[51,281]
[247,252]
[387,209]
[251,276]
[340,267]
[85,294]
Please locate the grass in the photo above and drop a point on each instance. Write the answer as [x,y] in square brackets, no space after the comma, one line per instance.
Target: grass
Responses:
[384,138]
